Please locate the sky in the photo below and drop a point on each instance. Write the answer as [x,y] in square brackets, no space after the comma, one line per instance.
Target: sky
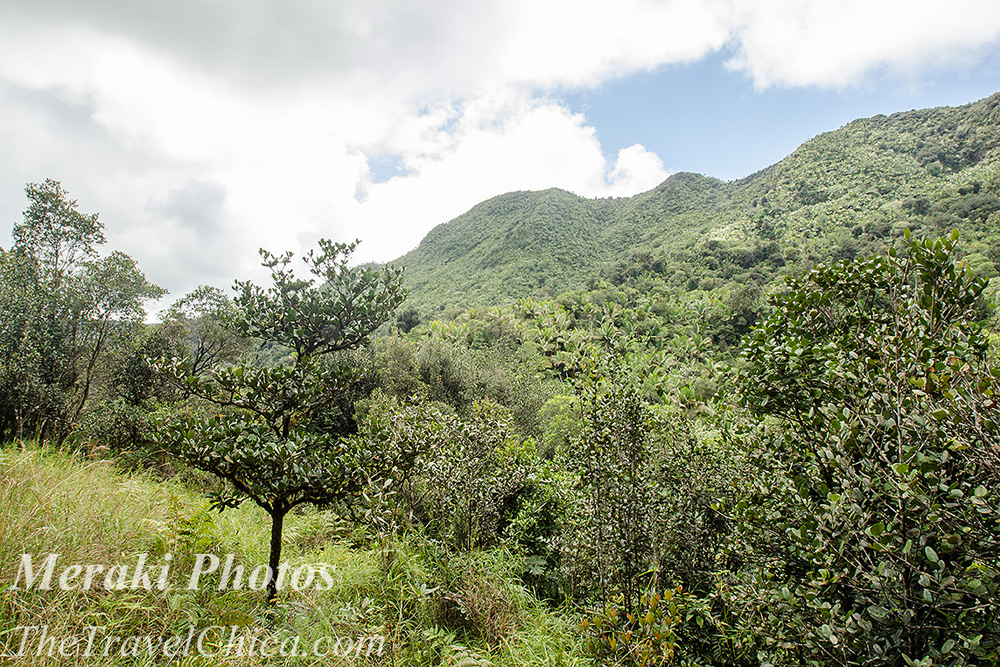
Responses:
[204,130]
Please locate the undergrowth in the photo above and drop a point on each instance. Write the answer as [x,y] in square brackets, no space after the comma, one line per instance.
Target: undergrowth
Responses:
[393,601]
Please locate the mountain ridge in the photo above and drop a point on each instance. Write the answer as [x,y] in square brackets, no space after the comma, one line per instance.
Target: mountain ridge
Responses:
[841,192]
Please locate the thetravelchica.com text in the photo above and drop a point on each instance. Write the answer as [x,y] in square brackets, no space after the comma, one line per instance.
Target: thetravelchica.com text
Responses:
[212,641]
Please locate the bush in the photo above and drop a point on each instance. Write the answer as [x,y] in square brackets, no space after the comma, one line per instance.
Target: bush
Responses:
[869,531]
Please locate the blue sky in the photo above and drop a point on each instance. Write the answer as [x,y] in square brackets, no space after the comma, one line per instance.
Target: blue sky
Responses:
[203,131]
[704,118]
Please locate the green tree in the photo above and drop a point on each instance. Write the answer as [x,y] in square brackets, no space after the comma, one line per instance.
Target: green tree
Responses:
[480,478]
[198,325]
[407,320]
[642,534]
[264,443]
[109,314]
[870,532]
[70,310]
[613,458]
[121,420]
[20,337]
[55,234]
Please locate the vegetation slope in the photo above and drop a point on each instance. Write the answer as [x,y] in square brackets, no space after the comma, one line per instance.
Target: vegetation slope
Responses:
[842,193]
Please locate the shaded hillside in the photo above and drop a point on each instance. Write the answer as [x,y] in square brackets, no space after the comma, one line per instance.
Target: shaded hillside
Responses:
[845,192]
[509,246]
[540,243]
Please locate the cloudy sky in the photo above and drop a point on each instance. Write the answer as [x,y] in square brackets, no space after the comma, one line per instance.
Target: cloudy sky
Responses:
[202,130]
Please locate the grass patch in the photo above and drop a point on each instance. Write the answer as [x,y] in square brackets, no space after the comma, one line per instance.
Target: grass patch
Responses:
[431,606]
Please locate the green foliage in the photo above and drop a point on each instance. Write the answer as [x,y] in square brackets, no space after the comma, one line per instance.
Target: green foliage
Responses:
[339,313]
[433,607]
[583,444]
[694,473]
[197,325]
[642,517]
[481,479]
[120,428]
[264,443]
[22,341]
[612,533]
[136,381]
[67,314]
[55,234]
[563,424]
[870,529]
[476,598]
[844,194]
[652,634]
[407,320]
[509,246]
[442,369]
[396,438]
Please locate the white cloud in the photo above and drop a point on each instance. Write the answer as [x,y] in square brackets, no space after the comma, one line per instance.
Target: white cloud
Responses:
[584,42]
[266,114]
[837,43]
[495,143]
[636,170]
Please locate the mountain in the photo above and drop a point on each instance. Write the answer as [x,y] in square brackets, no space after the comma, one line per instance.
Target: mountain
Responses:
[849,191]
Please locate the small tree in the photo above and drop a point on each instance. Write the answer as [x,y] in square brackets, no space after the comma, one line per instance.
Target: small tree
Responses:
[263,444]
[612,459]
[20,335]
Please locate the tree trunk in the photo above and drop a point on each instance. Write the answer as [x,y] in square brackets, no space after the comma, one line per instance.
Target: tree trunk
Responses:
[277,520]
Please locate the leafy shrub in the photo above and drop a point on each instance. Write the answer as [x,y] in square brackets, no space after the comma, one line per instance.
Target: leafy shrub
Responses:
[671,627]
[608,545]
[869,531]
[480,478]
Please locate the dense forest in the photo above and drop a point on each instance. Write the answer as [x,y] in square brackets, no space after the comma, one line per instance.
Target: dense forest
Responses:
[843,194]
[745,423]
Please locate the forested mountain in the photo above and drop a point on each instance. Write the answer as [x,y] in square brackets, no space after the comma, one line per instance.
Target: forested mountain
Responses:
[842,193]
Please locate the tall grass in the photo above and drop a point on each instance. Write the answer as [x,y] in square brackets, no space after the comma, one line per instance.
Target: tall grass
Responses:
[433,607]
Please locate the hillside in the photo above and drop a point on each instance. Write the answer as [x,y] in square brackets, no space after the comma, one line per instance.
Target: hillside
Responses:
[510,245]
[844,192]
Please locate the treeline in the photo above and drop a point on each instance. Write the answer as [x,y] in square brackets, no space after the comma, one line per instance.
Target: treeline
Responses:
[72,320]
[804,478]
